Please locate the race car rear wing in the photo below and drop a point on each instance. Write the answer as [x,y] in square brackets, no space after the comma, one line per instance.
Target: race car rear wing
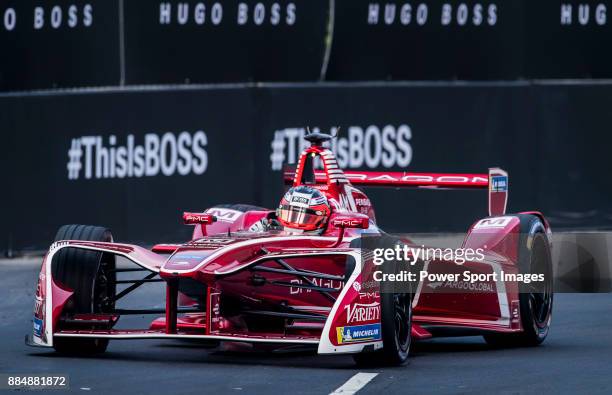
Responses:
[496,181]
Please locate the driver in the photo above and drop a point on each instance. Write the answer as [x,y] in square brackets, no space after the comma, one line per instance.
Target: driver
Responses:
[303,209]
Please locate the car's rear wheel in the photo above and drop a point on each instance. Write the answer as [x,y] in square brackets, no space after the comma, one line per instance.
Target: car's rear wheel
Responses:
[91,275]
[536,298]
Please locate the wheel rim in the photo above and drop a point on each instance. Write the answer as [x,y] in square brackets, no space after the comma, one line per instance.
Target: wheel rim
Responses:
[403,320]
[104,287]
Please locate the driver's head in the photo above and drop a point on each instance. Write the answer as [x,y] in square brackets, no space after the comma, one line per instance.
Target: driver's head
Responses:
[303,209]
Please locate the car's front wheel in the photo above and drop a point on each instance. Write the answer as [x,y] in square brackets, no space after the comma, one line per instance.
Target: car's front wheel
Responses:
[396,326]
[91,276]
[395,321]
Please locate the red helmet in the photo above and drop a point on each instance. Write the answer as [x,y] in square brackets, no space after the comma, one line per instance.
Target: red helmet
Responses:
[304,208]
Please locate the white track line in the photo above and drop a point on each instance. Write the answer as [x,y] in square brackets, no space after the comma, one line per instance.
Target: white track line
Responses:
[355,383]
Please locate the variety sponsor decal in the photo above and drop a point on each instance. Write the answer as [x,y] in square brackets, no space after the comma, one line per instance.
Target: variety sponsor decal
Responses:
[358,333]
[184,153]
[361,312]
[370,147]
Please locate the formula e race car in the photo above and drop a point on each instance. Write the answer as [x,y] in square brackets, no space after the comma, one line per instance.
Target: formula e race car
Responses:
[301,275]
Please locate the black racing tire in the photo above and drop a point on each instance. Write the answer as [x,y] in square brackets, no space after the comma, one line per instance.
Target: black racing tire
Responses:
[91,276]
[535,299]
[396,320]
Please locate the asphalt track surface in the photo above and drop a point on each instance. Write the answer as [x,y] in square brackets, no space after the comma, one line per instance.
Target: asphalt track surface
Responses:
[576,357]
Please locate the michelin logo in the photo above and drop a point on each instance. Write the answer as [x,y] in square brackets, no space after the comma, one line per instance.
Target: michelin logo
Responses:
[358,333]
[38,327]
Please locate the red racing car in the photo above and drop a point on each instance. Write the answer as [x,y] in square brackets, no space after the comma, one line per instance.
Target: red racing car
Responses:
[301,275]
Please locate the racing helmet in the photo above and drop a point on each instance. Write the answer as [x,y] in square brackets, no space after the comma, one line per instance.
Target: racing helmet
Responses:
[304,209]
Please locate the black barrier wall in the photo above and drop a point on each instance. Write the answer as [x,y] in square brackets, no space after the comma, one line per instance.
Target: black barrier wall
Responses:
[566,39]
[228,41]
[470,40]
[86,43]
[134,160]
[427,40]
[59,44]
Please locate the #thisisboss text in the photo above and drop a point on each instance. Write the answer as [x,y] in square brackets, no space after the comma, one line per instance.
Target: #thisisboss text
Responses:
[167,154]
